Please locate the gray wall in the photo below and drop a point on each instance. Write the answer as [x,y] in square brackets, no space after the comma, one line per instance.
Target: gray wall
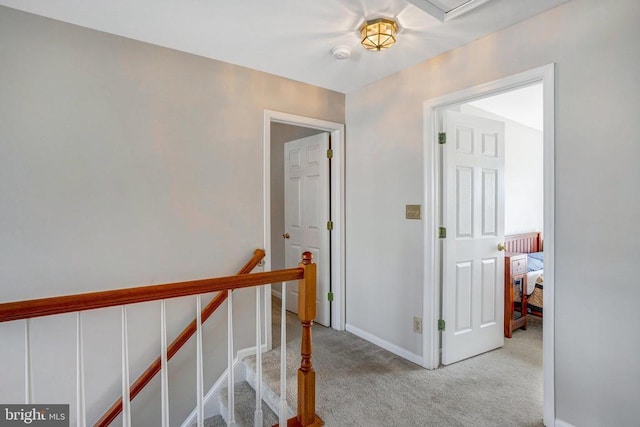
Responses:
[594,45]
[125,164]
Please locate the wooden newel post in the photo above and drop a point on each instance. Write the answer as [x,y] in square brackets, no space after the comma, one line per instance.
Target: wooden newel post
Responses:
[306,375]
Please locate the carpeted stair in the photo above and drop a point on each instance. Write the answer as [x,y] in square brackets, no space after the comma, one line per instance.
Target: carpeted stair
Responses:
[216,421]
[245,406]
[245,401]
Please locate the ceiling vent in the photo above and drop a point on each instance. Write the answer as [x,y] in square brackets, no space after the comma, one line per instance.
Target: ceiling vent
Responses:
[444,10]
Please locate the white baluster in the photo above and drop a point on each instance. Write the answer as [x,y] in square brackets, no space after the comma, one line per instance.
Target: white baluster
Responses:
[164,367]
[257,419]
[81,413]
[199,379]
[126,398]
[283,358]
[230,383]
[28,380]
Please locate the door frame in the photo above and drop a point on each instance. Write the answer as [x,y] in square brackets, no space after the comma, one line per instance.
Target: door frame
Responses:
[338,313]
[433,246]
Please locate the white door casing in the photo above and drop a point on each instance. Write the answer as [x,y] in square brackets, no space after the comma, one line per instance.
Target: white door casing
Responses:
[473,214]
[306,215]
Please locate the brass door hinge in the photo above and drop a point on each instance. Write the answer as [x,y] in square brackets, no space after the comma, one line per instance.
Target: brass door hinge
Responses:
[441,325]
[442,232]
[442,138]
[329,153]
[330,225]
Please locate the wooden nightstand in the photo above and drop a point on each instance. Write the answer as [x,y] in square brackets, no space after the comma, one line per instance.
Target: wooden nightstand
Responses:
[515,276]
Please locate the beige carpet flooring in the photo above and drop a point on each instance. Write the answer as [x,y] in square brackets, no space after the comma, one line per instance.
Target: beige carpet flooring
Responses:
[360,384]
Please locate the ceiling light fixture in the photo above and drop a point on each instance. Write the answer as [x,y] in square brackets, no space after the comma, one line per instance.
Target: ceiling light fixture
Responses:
[379,34]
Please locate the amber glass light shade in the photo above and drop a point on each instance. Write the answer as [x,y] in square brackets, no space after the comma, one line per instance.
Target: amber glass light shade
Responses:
[378,34]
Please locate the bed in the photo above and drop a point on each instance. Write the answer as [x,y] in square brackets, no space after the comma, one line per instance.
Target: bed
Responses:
[524,246]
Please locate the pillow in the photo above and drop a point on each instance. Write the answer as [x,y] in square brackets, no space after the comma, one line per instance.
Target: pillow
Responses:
[535,261]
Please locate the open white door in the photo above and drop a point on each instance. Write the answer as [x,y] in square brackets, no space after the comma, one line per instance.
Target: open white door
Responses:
[306,200]
[473,202]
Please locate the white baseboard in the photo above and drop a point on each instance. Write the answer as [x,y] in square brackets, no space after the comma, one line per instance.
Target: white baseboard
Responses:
[560,423]
[412,357]
[211,406]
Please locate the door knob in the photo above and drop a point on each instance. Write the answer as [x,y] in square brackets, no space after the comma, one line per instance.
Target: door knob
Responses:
[501,247]
[285,235]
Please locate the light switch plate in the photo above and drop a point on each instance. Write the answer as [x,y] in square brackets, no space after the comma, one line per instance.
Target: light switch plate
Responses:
[413,211]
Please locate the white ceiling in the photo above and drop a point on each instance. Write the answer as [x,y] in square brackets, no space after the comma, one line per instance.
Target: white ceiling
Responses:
[292,38]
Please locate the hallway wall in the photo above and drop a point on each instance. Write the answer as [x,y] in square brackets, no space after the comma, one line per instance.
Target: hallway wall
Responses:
[593,44]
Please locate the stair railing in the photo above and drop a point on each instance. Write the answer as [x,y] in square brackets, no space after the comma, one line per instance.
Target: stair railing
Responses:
[176,344]
[305,274]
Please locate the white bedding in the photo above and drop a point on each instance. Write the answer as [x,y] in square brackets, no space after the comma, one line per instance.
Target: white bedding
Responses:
[534,277]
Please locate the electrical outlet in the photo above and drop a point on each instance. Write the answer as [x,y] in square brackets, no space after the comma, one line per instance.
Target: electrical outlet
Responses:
[417,325]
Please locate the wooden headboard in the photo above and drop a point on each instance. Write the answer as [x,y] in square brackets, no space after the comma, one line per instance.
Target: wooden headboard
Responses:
[523,243]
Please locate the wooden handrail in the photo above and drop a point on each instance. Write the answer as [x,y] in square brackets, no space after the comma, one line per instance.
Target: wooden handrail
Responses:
[305,274]
[93,300]
[116,408]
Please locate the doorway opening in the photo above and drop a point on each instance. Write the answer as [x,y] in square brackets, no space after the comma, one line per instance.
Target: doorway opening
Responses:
[280,129]
[439,252]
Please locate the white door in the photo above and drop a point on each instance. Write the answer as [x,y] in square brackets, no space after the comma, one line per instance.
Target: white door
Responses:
[473,214]
[306,201]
